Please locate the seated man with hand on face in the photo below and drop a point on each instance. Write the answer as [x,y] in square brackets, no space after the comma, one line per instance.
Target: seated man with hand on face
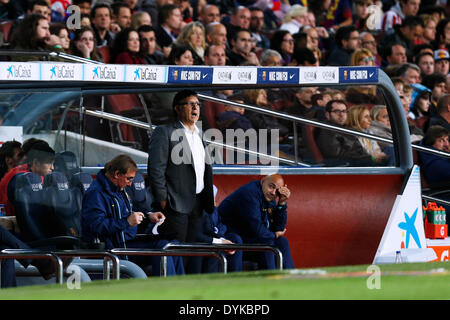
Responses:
[257,212]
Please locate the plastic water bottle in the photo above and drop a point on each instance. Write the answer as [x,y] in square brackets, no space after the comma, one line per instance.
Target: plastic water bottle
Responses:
[398,257]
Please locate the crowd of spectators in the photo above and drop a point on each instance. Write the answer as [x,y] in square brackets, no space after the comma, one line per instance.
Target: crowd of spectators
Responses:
[408,39]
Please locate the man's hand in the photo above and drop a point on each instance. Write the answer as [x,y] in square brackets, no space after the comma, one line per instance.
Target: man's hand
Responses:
[283,195]
[252,58]
[280,233]
[135,218]
[157,217]
[226,241]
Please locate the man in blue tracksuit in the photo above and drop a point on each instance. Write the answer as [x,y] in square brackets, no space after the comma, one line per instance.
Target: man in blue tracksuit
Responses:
[108,215]
[257,212]
[214,231]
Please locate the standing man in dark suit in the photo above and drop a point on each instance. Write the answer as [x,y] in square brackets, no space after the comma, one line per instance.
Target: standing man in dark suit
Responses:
[180,175]
[170,22]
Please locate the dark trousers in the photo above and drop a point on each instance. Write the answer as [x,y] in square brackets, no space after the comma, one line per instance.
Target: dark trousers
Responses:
[180,226]
[174,263]
[266,260]
[211,264]
[8,275]
[9,241]
[183,228]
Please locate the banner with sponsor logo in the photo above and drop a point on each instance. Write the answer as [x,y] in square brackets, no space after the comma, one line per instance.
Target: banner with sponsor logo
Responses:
[62,71]
[191,75]
[357,74]
[278,75]
[48,71]
[146,73]
[20,71]
[404,232]
[315,75]
[230,75]
[104,72]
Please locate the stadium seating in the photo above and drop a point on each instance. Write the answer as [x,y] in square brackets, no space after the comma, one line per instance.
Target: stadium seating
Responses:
[33,217]
[29,207]
[422,123]
[63,206]
[281,104]
[212,111]
[141,198]
[81,180]
[66,163]
[5,28]
[105,52]
[130,106]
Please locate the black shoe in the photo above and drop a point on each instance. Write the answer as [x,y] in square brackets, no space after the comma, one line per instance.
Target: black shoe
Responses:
[66,261]
[46,268]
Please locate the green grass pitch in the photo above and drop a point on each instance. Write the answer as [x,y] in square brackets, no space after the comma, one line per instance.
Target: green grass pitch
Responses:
[402,281]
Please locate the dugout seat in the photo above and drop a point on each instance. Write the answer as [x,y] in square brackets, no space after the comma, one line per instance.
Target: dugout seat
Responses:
[141,198]
[29,207]
[81,180]
[32,215]
[63,205]
[66,162]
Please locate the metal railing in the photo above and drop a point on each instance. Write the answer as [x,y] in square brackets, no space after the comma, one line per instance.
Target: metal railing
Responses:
[57,254]
[319,124]
[146,126]
[165,253]
[34,254]
[434,199]
[47,54]
[228,247]
[96,254]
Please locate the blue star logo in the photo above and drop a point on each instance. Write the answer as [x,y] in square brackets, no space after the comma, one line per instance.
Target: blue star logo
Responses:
[53,71]
[95,73]
[410,228]
[10,71]
[137,74]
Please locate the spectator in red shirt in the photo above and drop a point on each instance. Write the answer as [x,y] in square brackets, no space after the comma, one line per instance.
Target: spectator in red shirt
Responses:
[126,48]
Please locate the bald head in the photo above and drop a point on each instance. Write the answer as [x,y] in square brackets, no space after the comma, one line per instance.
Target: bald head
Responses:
[270,185]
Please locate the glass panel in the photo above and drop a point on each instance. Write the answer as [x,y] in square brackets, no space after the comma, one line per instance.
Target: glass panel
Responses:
[271,137]
[50,116]
[361,108]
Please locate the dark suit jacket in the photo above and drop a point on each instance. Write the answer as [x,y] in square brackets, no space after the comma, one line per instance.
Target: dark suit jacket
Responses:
[174,179]
[338,149]
[438,120]
[162,37]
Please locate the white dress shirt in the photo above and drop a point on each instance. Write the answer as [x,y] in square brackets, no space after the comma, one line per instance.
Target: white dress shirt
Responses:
[198,155]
